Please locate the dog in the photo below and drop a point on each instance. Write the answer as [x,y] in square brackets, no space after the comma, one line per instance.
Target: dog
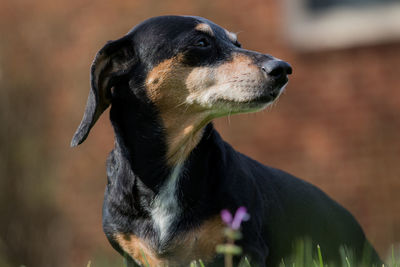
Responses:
[170,173]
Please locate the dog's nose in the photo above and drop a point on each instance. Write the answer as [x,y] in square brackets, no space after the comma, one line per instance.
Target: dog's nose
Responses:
[276,69]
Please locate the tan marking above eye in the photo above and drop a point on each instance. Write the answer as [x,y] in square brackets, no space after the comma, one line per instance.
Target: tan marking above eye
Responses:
[232,36]
[203,27]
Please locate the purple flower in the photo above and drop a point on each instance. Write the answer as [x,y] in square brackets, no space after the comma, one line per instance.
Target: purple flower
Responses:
[234,222]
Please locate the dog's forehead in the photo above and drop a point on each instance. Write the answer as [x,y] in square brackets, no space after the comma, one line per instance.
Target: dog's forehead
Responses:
[164,25]
[173,26]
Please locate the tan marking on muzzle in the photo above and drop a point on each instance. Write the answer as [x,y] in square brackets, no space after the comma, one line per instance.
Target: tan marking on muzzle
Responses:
[202,78]
[236,80]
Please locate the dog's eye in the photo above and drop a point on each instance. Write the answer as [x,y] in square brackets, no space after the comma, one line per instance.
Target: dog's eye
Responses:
[203,42]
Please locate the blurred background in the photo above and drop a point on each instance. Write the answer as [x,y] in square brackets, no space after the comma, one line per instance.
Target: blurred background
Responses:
[336,126]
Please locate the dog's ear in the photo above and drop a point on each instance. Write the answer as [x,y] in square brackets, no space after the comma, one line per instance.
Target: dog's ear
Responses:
[111,62]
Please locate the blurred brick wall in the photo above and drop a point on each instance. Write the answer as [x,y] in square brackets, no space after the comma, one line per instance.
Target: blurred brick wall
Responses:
[336,126]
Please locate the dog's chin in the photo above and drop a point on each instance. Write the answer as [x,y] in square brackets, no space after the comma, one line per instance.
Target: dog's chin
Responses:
[226,107]
[249,104]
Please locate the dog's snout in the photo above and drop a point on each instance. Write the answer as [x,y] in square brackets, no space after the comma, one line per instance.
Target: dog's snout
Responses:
[276,68]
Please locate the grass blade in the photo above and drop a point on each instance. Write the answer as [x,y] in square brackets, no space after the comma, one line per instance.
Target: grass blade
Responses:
[321,262]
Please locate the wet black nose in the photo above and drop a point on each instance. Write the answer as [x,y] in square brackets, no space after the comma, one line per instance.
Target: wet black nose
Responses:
[276,68]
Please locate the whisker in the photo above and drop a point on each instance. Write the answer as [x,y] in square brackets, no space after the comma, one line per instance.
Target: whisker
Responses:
[186,109]
[181,104]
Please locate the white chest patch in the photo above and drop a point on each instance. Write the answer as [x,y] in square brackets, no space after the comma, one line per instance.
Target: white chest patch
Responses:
[165,205]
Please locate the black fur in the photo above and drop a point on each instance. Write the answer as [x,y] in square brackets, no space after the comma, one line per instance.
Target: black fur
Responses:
[283,208]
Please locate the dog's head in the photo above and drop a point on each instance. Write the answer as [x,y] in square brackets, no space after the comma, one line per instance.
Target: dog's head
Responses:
[191,70]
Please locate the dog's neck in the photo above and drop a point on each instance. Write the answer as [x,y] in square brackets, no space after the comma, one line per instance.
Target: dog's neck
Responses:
[140,139]
[183,133]
[157,137]
[156,148]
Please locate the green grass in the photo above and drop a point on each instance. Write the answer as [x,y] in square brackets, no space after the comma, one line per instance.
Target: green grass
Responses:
[305,256]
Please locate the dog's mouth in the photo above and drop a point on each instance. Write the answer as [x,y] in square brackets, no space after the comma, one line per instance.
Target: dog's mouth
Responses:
[270,95]
[267,94]
[256,102]
[270,92]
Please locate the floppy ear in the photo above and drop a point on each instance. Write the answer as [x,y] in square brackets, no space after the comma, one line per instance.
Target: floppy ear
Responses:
[112,61]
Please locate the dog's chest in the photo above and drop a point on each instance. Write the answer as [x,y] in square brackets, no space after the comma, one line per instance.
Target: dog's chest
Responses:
[165,207]
[197,243]
[172,248]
